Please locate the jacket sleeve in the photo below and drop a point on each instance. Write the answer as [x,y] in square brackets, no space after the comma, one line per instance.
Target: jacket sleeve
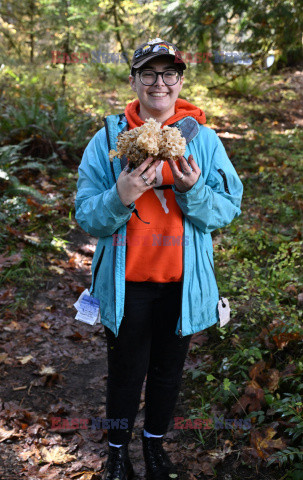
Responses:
[213,202]
[99,210]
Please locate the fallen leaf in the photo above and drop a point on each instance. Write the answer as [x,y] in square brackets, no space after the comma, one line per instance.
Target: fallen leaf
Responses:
[45,468]
[25,359]
[5,434]
[266,378]
[75,336]
[3,357]
[9,261]
[34,429]
[249,455]
[87,475]
[271,379]
[256,369]
[264,444]
[41,208]
[32,452]
[46,370]
[282,338]
[45,325]
[207,464]
[253,399]
[229,135]
[7,295]
[11,327]
[55,269]
[56,455]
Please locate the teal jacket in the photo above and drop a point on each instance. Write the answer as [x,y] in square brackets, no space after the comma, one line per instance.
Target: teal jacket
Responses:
[211,203]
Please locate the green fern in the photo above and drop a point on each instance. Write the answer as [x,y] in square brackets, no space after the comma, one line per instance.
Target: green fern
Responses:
[289,454]
[19,189]
[51,118]
[290,407]
[31,165]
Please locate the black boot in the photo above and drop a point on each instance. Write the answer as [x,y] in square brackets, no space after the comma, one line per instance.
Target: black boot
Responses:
[118,465]
[157,462]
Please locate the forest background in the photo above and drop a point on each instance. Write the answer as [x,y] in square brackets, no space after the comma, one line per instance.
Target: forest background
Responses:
[63,67]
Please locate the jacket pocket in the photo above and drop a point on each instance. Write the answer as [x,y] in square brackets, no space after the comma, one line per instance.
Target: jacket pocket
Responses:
[96,270]
[222,173]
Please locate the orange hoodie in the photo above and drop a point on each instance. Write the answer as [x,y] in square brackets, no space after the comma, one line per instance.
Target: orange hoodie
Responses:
[154,250]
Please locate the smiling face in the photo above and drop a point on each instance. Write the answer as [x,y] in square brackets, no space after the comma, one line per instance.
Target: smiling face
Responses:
[158,100]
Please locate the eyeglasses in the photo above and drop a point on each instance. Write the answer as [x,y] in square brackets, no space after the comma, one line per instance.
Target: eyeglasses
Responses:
[149,77]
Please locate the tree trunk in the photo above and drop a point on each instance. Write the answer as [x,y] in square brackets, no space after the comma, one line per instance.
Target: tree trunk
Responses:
[32,37]
[118,33]
[215,46]
[66,47]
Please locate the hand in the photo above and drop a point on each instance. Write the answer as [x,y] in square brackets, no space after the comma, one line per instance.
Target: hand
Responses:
[131,185]
[190,176]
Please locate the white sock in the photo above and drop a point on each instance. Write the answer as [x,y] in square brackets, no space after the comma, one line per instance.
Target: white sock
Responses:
[113,445]
[148,435]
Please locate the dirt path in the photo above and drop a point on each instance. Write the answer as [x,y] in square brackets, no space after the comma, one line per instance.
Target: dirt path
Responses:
[55,366]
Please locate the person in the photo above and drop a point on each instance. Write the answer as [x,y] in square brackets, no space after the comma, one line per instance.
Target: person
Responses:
[152,270]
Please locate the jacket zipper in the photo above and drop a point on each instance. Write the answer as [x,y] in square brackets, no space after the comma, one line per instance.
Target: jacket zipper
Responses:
[97,269]
[107,132]
[114,269]
[224,180]
[109,147]
[115,180]
[183,247]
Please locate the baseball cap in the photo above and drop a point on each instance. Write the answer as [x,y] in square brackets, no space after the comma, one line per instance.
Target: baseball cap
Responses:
[155,48]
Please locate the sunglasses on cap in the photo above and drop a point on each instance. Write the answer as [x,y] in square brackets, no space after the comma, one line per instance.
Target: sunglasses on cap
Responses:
[153,49]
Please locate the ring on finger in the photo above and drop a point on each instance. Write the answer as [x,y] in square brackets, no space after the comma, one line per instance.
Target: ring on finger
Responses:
[145,180]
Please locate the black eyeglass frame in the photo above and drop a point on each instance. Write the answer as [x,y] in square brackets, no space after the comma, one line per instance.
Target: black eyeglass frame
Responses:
[159,73]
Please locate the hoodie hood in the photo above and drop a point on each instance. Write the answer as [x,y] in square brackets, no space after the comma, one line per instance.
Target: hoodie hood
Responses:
[182,109]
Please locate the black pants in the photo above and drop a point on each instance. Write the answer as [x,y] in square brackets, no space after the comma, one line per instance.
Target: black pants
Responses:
[146,343]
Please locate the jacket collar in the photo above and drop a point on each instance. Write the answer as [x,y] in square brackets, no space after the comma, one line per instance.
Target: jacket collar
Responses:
[188,126]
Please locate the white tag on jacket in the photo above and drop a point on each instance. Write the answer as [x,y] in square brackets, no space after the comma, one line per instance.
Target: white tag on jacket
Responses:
[224,311]
[88,309]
